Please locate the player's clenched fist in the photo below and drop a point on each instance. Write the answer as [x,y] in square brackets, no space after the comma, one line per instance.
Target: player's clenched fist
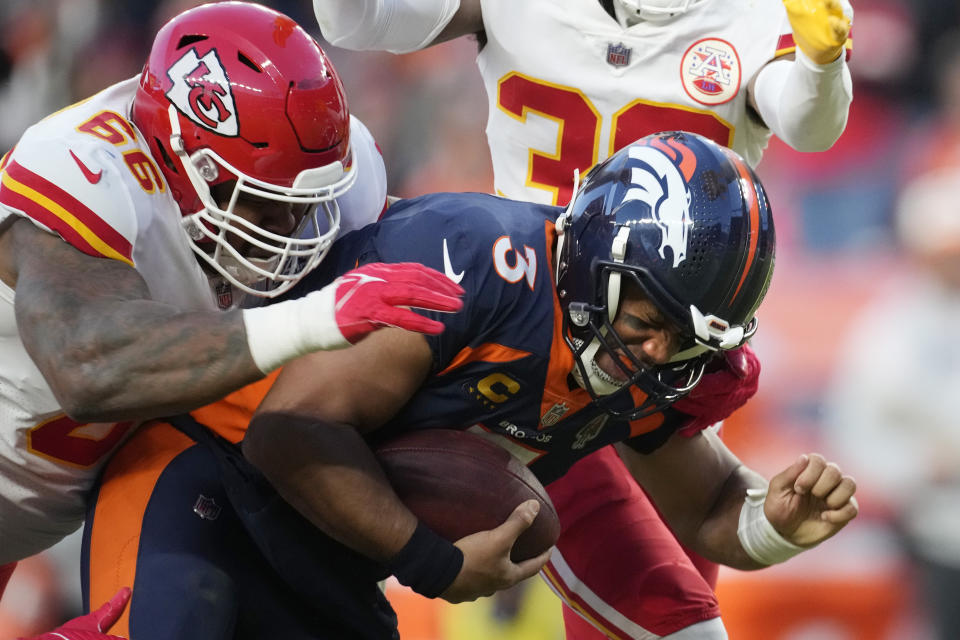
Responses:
[810,501]
[820,28]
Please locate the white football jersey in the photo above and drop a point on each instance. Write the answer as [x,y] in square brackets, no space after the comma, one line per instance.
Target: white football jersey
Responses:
[86,174]
[568,86]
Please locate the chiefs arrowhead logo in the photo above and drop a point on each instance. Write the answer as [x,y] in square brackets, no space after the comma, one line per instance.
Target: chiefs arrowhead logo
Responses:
[201,91]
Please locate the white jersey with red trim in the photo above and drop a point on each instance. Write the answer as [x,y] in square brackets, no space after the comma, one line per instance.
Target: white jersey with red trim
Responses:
[85,174]
[567,85]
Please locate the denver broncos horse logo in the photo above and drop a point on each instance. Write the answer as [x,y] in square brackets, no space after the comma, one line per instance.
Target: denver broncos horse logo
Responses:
[659,179]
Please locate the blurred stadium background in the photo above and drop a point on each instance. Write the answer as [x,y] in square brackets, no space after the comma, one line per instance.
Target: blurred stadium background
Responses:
[839,250]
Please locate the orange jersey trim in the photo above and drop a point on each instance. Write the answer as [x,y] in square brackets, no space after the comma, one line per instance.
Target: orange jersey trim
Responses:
[230,416]
[56,209]
[561,358]
[128,483]
[487,352]
[648,423]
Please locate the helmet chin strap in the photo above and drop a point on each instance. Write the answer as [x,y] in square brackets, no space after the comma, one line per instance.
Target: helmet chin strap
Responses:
[618,251]
[242,272]
[602,383]
[179,148]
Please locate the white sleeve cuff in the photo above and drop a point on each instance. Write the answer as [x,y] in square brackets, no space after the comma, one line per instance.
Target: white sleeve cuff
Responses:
[805,104]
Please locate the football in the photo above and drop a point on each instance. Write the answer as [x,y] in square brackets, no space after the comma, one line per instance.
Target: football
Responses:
[459,483]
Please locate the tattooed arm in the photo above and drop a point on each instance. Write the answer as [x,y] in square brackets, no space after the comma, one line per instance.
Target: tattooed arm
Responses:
[106,349]
[109,352]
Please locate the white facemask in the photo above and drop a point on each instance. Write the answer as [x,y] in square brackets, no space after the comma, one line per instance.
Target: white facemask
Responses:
[287,258]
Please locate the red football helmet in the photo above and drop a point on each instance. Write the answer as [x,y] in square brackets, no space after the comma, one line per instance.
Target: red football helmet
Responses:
[234,91]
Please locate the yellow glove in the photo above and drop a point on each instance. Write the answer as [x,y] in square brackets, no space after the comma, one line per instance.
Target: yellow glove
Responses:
[820,28]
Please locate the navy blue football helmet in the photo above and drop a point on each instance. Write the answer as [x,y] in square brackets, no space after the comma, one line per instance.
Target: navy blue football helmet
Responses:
[687,222]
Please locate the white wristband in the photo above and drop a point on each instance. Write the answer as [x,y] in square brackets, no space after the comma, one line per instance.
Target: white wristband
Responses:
[759,539]
[280,332]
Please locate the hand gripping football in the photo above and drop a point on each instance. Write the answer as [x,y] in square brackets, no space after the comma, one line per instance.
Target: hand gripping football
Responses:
[459,483]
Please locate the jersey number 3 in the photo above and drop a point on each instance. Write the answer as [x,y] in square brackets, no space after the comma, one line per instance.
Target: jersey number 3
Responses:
[513,266]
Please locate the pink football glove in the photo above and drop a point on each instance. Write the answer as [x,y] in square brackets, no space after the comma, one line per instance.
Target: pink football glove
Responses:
[722,390]
[92,625]
[373,296]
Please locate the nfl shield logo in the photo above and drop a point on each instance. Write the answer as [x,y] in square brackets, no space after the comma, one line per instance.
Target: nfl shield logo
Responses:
[206,508]
[618,55]
[553,416]
[224,291]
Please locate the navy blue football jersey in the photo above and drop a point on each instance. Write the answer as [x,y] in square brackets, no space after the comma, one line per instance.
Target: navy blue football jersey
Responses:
[501,367]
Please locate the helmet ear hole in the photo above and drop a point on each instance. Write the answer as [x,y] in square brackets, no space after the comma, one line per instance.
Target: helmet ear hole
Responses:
[164,156]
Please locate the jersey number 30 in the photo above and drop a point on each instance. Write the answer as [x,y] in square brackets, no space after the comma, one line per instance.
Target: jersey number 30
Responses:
[578,137]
